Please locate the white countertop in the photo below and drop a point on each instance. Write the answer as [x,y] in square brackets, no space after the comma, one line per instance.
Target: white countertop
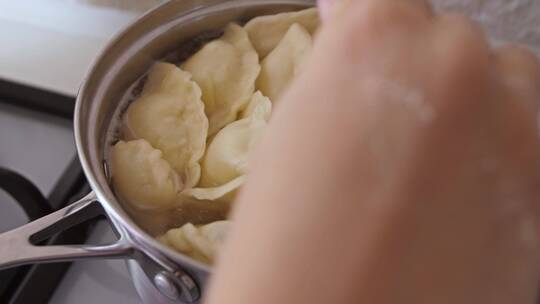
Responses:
[51,43]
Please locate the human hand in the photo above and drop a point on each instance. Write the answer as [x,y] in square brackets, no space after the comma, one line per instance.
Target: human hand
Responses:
[401,167]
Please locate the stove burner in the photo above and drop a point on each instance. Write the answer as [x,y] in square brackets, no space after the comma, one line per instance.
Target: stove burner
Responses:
[37,283]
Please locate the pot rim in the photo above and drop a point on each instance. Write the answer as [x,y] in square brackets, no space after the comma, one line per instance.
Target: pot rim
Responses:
[141,239]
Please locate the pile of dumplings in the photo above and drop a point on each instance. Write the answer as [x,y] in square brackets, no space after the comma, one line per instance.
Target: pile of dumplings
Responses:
[191,130]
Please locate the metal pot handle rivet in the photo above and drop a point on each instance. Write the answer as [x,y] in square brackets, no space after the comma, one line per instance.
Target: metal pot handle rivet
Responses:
[166,286]
[172,282]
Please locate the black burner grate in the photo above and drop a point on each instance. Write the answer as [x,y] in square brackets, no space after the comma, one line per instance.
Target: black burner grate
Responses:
[37,283]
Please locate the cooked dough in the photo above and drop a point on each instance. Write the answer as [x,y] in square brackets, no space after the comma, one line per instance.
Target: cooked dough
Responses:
[169,114]
[227,155]
[226,70]
[267,31]
[201,243]
[142,176]
[225,192]
[259,106]
[280,67]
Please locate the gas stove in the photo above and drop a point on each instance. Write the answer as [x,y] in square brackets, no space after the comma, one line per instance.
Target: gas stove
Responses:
[46,50]
[40,173]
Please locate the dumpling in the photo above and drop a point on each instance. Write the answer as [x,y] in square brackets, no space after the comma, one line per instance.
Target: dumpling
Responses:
[280,67]
[169,114]
[226,70]
[201,243]
[227,155]
[267,31]
[259,106]
[142,176]
[225,192]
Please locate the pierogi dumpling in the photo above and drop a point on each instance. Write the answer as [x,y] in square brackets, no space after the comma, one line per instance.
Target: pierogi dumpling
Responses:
[226,70]
[169,114]
[141,176]
[222,193]
[227,155]
[201,243]
[267,31]
[280,67]
[259,106]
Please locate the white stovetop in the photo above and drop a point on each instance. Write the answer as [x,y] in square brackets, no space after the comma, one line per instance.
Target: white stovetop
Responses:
[51,43]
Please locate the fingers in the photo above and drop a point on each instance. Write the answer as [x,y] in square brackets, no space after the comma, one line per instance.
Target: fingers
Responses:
[518,90]
[458,32]
[463,51]
[336,9]
[421,6]
[332,9]
[325,7]
[460,65]
[519,72]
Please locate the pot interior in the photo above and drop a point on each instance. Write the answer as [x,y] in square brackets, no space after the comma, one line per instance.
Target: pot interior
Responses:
[170,33]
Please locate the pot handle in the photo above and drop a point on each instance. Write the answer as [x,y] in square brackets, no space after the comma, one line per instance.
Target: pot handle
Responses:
[21,245]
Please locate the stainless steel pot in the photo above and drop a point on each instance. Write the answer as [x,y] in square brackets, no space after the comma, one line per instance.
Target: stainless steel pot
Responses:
[160,274]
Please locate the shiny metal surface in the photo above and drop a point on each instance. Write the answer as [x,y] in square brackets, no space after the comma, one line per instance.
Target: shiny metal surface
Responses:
[18,245]
[166,286]
[146,288]
[152,267]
